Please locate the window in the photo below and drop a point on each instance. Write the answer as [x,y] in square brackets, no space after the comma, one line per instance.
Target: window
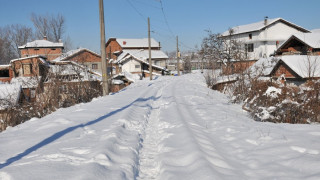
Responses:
[249,47]
[137,66]
[250,36]
[36,49]
[53,49]
[26,69]
[94,66]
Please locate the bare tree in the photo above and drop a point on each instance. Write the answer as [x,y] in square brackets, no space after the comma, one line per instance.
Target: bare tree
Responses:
[11,37]
[19,35]
[49,25]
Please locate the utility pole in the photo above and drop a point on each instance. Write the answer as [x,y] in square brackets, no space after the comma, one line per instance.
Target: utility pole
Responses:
[149,42]
[178,57]
[103,50]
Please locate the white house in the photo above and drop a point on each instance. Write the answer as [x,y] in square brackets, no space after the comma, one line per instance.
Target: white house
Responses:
[262,38]
[136,62]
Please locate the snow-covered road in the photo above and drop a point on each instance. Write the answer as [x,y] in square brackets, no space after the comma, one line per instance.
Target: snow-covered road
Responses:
[169,128]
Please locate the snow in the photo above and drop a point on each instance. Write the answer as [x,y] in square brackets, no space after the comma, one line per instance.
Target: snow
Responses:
[41,43]
[272,92]
[9,95]
[168,128]
[258,26]
[263,67]
[137,43]
[26,82]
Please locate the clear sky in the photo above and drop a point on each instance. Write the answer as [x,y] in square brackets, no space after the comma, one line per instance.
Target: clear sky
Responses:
[186,18]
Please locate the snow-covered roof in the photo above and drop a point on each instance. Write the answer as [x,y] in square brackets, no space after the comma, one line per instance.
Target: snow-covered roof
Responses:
[9,95]
[140,60]
[41,58]
[143,54]
[259,26]
[310,39]
[41,43]
[137,43]
[70,53]
[26,82]
[305,66]
[315,30]
[67,68]
[4,66]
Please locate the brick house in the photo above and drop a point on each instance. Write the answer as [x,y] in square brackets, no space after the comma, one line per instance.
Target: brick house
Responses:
[48,49]
[6,73]
[297,68]
[84,57]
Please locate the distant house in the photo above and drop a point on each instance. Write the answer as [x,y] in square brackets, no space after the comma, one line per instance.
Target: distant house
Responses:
[261,39]
[48,49]
[301,44]
[136,64]
[117,49]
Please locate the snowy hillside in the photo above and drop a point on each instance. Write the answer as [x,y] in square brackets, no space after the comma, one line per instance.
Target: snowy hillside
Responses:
[170,128]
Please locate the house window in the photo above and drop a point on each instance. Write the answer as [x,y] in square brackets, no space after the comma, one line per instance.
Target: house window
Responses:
[26,69]
[36,49]
[94,66]
[250,36]
[249,47]
[137,66]
[53,49]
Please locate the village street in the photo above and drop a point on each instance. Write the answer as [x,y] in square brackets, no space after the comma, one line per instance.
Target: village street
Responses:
[168,128]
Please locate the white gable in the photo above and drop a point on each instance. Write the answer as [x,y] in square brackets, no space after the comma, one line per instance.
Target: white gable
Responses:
[258,26]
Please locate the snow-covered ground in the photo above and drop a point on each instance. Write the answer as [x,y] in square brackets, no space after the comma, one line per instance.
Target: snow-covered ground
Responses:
[170,128]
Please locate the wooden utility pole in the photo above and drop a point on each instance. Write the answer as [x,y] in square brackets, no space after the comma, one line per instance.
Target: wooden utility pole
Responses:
[103,50]
[178,57]
[149,42]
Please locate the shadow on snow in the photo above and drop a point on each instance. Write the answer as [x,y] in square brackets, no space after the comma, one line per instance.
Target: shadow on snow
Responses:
[68,130]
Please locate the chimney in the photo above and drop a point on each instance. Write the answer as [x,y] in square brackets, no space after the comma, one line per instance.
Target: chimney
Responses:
[60,40]
[45,38]
[266,20]
[124,42]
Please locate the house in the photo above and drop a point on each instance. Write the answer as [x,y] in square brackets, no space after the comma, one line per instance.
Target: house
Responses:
[302,44]
[261,39]
[84,57]
[136,63]
[48,49]
[117,48]
[297,68]
[6,73]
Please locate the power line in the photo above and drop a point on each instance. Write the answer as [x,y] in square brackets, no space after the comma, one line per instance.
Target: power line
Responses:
[165,18]
[143,17]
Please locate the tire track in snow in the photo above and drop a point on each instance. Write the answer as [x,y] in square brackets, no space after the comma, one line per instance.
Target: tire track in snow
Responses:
[197,142]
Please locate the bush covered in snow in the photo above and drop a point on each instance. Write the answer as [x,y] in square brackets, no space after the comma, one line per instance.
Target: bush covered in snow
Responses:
[276,102]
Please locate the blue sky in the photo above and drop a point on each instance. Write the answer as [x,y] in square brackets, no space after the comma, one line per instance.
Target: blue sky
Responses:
[186,18]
